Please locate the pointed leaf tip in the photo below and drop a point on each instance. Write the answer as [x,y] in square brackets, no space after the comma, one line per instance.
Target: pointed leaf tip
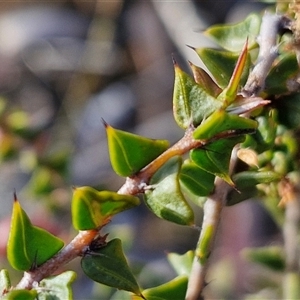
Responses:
[29,245]
[229,93]
[104,123]
[129,152]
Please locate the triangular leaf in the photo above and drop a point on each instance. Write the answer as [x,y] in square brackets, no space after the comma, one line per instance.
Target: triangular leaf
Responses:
[29,245]
[165,198]
[221,121]
[108,265]
[216,156]
[196,180]
[91,208]
[221,64]
[174,289]
[232,36]
[191,102]
[182,263]
[130,152]
[57,287]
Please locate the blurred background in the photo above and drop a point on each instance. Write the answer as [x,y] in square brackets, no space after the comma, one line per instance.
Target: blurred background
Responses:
[66,65]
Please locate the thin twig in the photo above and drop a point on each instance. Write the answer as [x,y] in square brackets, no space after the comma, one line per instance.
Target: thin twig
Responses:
[212,215]
[268,51]
[132,186]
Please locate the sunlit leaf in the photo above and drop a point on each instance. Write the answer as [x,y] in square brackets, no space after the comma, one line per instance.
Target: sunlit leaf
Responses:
[196,180]
[91,208]
[130,152]
[271,257]
[221,64]
[233,36]
[29,245]
[228,95]
[216,156]
[165,198]
[4,281]
[174,289]
[57,287]
[182,263]
[221,121]
[108,265]
[191,102]
[20,295]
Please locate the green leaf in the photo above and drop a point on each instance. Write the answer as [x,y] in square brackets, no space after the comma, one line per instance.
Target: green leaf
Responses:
[92,209]
[165,198]
[108,265]
[252,178]
[221,121]
[191,102]
[174,289]
[196,180]
[246,182]
[286,67]
[57,287]
[130,152]
[266,132]
[215,157]
[29,245]
[182,263]
[233,36]
[271,257]
[4,281]
[221,64]
[20,295]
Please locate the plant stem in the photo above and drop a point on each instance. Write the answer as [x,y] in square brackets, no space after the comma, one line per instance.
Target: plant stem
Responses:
[75,248]
[212,210]
[268,51]
[132,186]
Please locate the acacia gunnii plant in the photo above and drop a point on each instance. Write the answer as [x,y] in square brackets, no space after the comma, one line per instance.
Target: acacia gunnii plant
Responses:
[240,140]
